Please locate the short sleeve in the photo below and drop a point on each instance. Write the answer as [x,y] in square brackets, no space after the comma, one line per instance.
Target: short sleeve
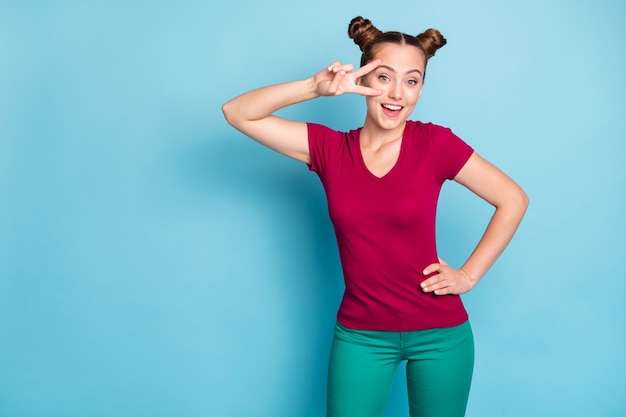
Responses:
[449,152]
[322,144]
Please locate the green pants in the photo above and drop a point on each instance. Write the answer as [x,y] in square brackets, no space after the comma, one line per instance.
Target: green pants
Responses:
[438,371]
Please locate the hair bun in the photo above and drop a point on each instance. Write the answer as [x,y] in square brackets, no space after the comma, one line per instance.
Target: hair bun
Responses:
[362,32]
[430,41]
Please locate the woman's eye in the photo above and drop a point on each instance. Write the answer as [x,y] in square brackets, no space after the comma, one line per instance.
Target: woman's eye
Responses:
[383,78]
[413,82]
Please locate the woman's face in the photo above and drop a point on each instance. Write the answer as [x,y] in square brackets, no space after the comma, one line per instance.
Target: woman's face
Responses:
[400,78]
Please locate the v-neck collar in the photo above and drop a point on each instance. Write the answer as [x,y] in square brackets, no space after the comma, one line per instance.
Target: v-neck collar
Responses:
[394,167]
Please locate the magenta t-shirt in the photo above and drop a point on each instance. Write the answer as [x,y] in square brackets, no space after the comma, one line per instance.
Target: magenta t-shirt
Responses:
[385,227]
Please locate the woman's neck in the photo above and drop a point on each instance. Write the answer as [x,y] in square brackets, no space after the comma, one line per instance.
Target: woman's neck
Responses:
[376,137]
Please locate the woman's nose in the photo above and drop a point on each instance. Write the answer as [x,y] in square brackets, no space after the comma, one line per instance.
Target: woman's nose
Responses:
[395,91]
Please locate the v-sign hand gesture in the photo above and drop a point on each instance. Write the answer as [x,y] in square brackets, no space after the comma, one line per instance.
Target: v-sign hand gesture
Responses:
[339,79]
[253,112]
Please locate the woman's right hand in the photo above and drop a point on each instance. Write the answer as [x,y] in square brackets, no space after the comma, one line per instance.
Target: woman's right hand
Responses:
[340,79]
[253,112]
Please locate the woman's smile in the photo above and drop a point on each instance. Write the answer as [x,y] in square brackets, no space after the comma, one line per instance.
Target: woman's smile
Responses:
[391,110]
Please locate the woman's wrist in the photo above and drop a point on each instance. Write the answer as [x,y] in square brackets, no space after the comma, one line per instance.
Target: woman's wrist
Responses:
[312,87]
[472,278]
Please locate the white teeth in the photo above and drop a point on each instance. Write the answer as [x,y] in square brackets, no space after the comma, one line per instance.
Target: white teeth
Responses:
[392,107]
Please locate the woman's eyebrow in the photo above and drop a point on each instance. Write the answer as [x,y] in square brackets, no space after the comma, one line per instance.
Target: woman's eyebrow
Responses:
[393,70]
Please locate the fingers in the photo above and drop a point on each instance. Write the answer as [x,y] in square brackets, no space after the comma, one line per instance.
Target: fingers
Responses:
[433,283]
[364,70]
[436,267]
[366,91]
[337,81]
[438,285]
[331,80]
[339,68]
[447,280]
[367,68]
[344,80]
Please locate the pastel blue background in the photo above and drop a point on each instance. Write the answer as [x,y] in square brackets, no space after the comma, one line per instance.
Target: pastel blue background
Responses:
[155,262]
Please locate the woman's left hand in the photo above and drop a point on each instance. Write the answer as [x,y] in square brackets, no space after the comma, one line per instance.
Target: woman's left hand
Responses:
[447,280]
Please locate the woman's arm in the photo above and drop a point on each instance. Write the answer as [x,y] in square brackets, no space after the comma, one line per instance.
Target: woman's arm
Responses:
[252,112]
[510,203]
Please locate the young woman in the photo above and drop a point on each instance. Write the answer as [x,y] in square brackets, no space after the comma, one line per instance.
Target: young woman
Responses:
[401,302]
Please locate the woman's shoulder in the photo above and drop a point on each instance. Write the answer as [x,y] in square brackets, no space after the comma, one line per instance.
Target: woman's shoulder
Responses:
[433,135]
[427,132]
[321,128]
[323,136]
[426,127]
[326,144]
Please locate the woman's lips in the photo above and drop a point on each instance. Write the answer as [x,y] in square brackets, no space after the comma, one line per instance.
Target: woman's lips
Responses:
[391,110]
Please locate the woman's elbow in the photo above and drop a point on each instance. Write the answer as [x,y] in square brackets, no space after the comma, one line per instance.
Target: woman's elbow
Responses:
[521,200]
[229,112]
[514,200]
